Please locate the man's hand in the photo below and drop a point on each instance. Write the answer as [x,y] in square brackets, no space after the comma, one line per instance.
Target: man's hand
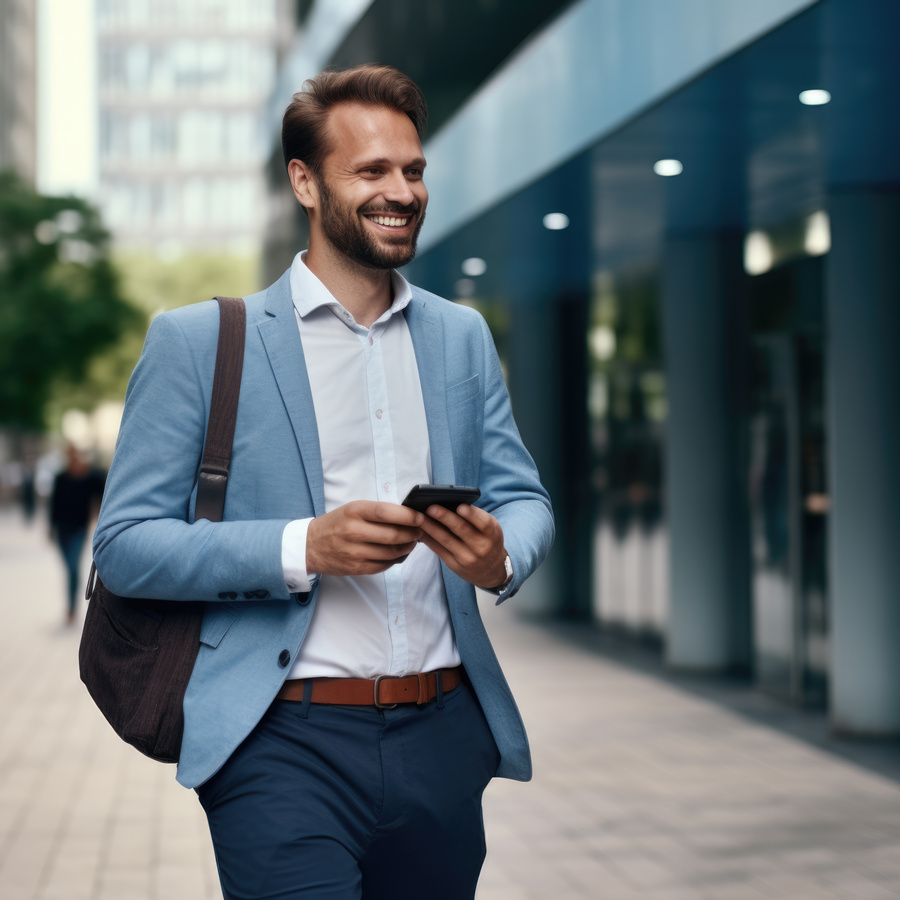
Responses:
[363,537]
[469,541]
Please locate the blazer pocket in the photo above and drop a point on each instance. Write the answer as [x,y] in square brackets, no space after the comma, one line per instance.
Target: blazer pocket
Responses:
[465,418]
[216,623]
[465,390]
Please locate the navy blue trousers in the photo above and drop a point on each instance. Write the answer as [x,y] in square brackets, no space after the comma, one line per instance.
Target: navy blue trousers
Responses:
[355,803]
[71,546]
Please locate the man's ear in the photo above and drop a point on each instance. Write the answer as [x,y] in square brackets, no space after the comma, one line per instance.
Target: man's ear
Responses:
[303,184]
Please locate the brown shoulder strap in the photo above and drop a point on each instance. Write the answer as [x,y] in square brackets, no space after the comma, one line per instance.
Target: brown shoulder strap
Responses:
[222,409]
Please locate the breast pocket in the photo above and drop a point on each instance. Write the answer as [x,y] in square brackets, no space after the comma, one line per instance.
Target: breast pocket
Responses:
[465,416]
[465,390]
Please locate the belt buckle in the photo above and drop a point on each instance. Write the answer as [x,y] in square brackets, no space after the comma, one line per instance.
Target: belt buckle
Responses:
[378,703]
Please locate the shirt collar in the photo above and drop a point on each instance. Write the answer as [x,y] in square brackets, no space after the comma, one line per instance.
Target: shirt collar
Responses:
[309,294]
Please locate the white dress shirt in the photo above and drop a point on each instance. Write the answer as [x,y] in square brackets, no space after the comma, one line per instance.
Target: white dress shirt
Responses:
[374,443]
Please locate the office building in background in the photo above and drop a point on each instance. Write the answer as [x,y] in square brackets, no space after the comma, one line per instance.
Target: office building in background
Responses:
[183,134]
[18,88]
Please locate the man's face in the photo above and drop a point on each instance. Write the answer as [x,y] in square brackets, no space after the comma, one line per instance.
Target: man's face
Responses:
[372,197]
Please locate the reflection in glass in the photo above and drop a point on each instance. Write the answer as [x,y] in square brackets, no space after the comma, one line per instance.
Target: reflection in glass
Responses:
[788,490]
[627,409]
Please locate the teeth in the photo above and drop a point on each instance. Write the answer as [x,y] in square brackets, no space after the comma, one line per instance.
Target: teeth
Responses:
[388,220]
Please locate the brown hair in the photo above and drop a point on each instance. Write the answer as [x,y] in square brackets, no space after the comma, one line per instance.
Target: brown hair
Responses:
[303,132]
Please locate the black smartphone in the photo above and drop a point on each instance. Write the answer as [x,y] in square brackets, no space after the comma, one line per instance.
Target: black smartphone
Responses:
[448,495]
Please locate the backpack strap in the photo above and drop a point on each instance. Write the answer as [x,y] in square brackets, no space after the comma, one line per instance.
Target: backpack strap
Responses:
[223,409]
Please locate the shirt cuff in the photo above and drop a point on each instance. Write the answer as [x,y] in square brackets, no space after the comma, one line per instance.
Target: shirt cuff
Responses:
[293,557]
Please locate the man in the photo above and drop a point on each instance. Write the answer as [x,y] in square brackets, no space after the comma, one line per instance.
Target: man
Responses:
[74,501]
[322,589]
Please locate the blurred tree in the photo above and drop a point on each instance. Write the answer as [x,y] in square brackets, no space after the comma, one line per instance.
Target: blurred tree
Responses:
[159,282]
[60,299]
[154,283]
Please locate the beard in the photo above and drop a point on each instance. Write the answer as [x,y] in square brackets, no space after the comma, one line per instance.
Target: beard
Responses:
[345,231]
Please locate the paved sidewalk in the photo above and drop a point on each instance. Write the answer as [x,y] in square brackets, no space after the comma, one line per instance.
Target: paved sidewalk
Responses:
[641,789]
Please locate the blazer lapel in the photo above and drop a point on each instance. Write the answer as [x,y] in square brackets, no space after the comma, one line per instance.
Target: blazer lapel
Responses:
[284,348]
[427,332]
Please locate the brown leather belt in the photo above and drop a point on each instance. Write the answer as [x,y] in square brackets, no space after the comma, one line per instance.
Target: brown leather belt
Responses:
[385,691]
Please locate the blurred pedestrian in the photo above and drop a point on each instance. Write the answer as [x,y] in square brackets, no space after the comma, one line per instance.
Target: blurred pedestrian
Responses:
[74,502]
[28,491]
[345,711]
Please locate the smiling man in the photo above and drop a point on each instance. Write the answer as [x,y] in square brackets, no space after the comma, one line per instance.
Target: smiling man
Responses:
[346,710]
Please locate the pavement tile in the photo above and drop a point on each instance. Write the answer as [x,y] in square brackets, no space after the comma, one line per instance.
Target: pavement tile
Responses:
[641,790]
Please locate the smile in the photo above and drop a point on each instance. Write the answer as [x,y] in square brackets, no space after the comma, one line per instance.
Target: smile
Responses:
[391,221]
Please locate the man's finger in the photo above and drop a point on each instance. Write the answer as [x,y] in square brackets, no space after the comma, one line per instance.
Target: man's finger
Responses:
[476,516]
[387,513]
[451,520]
[384,552]
[373,533]
[441,535]
[470,524]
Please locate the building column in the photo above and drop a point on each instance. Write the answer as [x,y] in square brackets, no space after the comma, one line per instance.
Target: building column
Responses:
[863,383]
[706,506]
[546,355]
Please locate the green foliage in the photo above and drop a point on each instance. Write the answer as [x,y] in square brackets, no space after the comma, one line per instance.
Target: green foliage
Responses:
[61,303]
[152,285]
[156,284]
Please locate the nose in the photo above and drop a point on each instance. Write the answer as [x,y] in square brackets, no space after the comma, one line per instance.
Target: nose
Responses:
[398,189]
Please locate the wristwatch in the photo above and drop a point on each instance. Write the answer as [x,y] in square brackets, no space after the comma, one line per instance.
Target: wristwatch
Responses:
[507,565]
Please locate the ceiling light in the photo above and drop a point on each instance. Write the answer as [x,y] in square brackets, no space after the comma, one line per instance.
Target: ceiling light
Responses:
[556,221]
[817,240]
[474,266]
[668,167]
[758,253]
[814,98]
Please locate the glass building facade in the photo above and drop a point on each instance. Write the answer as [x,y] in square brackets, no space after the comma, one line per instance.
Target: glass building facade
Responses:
[678,220]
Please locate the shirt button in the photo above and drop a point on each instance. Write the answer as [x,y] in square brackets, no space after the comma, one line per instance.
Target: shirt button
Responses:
[371,341]
[378,413]
[387,487]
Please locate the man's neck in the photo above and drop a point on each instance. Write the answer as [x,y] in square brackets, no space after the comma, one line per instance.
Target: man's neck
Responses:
[365,293]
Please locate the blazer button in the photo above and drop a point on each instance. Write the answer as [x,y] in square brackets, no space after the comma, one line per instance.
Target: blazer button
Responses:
[228,595]
[284,658]
[302,599]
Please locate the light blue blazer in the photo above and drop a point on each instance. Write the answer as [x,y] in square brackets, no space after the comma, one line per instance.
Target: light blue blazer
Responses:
[147,543]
